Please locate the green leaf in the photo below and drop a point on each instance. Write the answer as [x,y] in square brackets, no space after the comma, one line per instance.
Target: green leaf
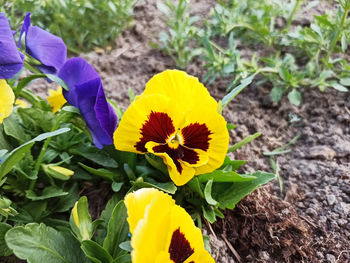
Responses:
[246,140]
[230,96]
[207,193]
[48,192]
[339,87]
[14,157]
[104,173]
[229,194]
[276,94]
[126,245]
[58,80]
[94,154]
[95,252]
[40,243]
[195,186]
[117,186]
[4,249]
[294,97]
[13,128]
[167,187]
[345,82]
[123,259]
[118,230]
[209,214]
[222,176]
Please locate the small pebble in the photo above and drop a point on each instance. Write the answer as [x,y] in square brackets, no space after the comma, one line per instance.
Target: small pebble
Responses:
[319,255]
[311,212]
[330,258]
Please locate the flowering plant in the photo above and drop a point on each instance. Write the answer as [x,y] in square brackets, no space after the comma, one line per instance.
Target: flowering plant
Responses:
[172,138]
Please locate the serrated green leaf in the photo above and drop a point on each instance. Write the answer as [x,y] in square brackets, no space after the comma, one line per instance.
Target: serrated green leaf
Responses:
[209,214]
[123,259]
[13,127]
[40,243]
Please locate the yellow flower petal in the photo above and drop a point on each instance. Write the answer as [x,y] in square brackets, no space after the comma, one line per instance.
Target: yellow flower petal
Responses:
[166,233]
[137,202]
[21,103]
[7,98]
[75,214]
[56,99]
[186,90]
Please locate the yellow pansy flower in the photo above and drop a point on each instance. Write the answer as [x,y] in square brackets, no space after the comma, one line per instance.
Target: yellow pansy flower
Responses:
[162,232]
[7,98]
[56,99]
[176,119]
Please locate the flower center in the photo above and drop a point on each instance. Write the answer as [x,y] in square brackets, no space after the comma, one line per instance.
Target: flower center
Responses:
[175,141]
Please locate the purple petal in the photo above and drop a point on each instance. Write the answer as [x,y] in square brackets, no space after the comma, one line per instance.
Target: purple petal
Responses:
[105,113]
[25,26]
[11,60]
[74,72]
[87,95]
[49,49]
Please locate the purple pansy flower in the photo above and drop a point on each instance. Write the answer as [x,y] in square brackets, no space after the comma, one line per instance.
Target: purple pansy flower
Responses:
[11,60]
[86,93]
[49,49]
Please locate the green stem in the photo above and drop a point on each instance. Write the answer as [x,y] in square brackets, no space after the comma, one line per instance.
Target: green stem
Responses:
[339,31]
[291,16]
[43,150]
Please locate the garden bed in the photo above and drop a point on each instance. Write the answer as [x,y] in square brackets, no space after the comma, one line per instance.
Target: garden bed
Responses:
[309,221]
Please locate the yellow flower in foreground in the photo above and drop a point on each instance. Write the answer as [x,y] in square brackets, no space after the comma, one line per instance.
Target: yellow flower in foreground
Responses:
[21,103]
[176,119]
[7,98]
[56,99]
[162,232]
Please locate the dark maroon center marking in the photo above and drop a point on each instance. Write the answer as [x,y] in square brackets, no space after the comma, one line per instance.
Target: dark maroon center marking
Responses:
[196,136]
[157,128]
[180,249]
[180,153]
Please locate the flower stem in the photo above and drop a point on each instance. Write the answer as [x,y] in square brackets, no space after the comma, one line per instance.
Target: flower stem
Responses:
[291,16]
[43,150]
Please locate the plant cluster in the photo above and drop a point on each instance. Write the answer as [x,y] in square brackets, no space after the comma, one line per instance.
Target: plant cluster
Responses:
[172,139]
[284,53]
[82,24]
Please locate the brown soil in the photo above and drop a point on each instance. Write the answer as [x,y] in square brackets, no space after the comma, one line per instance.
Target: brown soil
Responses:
[310,220]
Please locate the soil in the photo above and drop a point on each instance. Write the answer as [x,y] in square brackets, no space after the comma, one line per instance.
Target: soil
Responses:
[309,221]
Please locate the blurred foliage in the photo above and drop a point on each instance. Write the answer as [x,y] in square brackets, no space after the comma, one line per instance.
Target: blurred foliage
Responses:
[241,40]
[82,24]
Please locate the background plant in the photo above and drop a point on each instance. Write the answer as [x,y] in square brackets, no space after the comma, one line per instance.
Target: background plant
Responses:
[82,24]
[243,39]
